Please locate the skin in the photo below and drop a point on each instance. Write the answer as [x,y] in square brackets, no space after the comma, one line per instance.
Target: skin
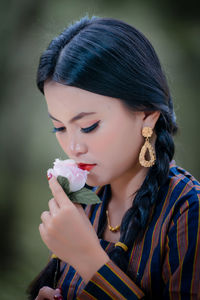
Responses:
[114,147]
[48,293]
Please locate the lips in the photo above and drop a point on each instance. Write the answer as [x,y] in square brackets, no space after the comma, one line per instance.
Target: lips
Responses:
[86,167]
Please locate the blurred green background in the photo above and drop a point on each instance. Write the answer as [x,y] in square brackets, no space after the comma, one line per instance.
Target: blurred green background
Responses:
[27,146]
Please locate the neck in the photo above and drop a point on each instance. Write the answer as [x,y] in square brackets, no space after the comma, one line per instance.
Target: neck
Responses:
[125,188]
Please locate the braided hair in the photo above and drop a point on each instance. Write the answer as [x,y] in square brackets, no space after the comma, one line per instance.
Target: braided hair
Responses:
[111,58]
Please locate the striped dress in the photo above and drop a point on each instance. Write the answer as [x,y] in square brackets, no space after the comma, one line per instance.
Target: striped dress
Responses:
[165,264]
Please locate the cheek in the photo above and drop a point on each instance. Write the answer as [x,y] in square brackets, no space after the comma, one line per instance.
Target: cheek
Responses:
[102,145]
[113,145]
[62,142]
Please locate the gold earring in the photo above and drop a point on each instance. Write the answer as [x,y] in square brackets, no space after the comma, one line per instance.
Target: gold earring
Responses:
[147,133]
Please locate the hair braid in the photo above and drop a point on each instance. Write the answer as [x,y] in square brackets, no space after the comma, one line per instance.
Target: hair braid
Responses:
[137,217]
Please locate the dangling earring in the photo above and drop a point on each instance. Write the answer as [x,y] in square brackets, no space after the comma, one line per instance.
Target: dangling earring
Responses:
[147,133]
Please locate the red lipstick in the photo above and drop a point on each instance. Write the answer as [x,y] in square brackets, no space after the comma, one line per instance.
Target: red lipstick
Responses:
[86,167]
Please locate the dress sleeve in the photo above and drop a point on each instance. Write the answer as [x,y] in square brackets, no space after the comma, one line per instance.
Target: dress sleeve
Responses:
[110,282]
[181,266]
[180,275]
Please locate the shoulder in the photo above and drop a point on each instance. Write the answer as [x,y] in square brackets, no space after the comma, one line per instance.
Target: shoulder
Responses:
[182,183]
[181,191]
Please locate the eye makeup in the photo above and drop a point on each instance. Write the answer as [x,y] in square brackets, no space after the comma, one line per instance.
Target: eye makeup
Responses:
[55,129]
[90,128]
[84,130]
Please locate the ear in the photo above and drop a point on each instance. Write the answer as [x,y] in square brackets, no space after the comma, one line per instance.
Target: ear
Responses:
[150,118]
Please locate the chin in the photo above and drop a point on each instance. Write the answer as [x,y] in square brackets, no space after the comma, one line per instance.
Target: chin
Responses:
[94,181]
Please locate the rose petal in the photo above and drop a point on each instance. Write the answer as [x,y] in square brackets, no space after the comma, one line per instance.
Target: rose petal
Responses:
[69,169]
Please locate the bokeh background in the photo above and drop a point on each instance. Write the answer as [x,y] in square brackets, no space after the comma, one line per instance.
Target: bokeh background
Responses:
[27,146]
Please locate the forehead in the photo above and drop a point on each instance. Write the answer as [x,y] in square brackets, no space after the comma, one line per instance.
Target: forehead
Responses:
[70,99]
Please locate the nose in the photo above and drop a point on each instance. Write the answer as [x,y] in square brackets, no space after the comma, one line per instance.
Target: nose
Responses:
[76,148]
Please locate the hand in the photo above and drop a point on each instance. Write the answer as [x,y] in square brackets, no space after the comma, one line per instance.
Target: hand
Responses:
[48,293]
[68,233]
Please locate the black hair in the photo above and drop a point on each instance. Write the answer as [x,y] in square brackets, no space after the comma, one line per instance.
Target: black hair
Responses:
[109,57]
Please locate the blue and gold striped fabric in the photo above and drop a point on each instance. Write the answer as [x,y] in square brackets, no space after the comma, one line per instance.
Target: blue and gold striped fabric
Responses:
[165,264]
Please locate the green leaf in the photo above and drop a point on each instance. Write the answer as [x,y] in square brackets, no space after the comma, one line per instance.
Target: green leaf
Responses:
[64,182]
[83,196]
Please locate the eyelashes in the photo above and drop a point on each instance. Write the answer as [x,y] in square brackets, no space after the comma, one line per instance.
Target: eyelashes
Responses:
[58,129]
[84,130]
[90,128]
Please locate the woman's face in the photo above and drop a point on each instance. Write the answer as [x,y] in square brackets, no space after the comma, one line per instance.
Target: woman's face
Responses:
[96,129]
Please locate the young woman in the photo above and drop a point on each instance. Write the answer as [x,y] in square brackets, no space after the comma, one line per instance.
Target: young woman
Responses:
[111,108]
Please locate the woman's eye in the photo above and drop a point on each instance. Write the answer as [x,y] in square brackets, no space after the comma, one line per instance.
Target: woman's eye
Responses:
[55,129]
[90,128]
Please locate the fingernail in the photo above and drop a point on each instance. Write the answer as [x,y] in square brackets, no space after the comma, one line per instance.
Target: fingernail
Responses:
[49,176]
[58,297]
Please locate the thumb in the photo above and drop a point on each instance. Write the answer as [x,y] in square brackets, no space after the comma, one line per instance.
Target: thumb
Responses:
[58,192]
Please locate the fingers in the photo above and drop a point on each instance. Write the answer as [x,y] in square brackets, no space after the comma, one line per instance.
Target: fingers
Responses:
[58,193]
[80,208]
[45,216]
[48,293]
[41,230]
[53,207]
[82,213]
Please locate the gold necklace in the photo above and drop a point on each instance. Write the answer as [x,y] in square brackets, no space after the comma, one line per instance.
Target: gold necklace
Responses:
[113,229]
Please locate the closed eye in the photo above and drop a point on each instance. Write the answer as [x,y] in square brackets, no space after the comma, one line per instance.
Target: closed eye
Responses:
[55,129]
[90,128]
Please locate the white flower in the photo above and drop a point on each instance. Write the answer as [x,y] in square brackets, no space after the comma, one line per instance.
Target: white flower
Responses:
[69,169]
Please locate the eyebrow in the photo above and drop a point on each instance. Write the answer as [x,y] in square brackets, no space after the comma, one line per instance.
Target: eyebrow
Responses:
[75,118]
